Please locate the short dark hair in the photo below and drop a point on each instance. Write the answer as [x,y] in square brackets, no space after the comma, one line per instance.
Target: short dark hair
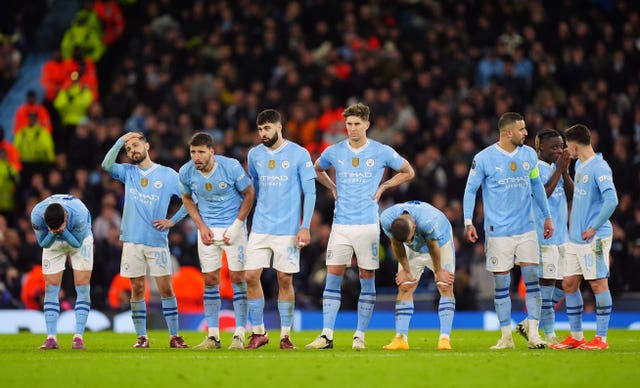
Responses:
[578,133]
[507,119]
[54,215]
[269,116]
[201,139]
[359,110]
[401,229]
[545,134]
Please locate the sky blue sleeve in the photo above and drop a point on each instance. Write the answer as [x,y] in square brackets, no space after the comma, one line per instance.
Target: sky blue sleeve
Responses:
[45,239]
[180,214]
[540,196]
[476,175]
[253,173]
[608,207]
[69,237]
[111,156]
[309,190]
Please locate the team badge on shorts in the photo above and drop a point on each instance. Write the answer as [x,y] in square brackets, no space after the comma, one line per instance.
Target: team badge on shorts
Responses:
[125,267]
[551,268]
[513,166]
[46,264]
[208,186]
[355,162]
[493,261]
[272,164]
[144,182]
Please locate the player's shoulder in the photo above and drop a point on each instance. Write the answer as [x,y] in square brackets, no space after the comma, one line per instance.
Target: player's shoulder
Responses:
[186,168]
[226,160]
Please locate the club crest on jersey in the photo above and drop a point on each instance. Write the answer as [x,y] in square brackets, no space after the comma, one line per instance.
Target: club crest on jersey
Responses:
[285,164]
[272,164]
[222,185]
[513,166]
[526,166]
[369,162]
[157,184]
[208,186]
[585,178]
[144,182]
[355,162]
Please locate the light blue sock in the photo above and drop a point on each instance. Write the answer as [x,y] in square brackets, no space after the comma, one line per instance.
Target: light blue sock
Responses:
[366,302]
[256,311]
[82,308]
[547,314]
[139,316]
[170,311]
[286,313]
[558,294]
[212,305]
[603,312]
[240,303]
[331,299]
[51,308]
[533,300]
[502,299]
[446,309]
[574,311]
[404,312]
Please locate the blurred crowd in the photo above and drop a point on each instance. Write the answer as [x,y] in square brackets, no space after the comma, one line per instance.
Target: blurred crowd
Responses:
[436,75]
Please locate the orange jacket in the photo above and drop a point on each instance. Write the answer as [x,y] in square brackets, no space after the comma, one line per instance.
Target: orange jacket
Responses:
[110,15]
[53,77]
[13,155]
[22,117]
[32,294]
[88,77]
[188,284]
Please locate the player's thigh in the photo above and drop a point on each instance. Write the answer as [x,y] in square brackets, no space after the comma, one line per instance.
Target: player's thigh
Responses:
[158,260]
[501,253]
[133,263]
[340,247]
[595,259]
[237,252]
[259,251]
[551,262]
[417,262]
[572,262]
[366,245]
[82,257]
[527,248]
[54,258]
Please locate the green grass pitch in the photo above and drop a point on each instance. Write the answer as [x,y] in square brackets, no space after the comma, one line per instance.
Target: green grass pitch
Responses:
[109,361]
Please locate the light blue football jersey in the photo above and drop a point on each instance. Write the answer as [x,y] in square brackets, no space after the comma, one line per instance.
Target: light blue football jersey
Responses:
[358,175]
[431,224]
[147,198]
[506,189]
[592,179]
[78,219]
[558,207]
[278,176]
[217,194]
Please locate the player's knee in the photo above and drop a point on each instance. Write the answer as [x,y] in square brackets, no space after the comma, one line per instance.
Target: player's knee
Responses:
[445,289]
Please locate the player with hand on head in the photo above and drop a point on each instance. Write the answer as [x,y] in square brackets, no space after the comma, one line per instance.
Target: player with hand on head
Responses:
[149,188]
[283,174]
[62,224]
[590,235]
[510,179]
[218,195]
[553,164]
[359,165]
[421,237]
